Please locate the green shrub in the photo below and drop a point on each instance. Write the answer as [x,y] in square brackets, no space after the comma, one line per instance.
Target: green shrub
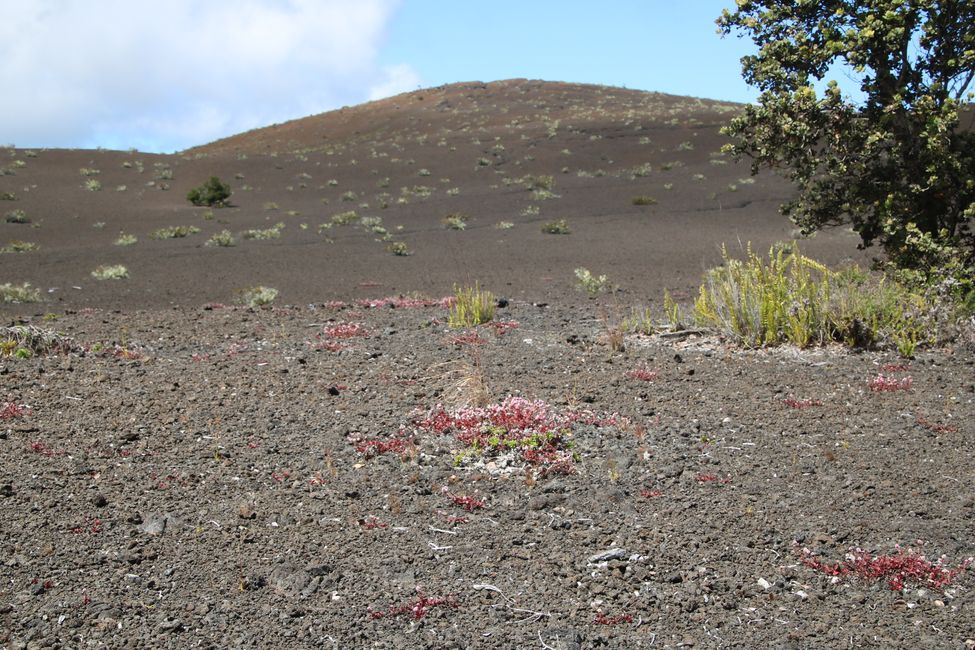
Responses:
[560,227]
[398,248]
[590,283]
[175,232]
[258,296]
[644,200]
[213,193]
[273,232]
[471,307]
[23,293]
[16,216]
[223,238]
[125,239]
[792,298]
[455,221]
[17,246]
[110,272]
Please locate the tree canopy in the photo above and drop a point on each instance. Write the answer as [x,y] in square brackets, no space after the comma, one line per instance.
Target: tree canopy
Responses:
[895,159]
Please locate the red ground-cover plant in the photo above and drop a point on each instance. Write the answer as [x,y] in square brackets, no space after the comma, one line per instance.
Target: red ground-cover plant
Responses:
[712,478]
[345,331]
[502,327]
[794,403]
[643,374]
[467,502]
[894,367]
[40,448]
[467,338]
[11,410]
[401,302]
[416,609]
[935,427]
[92,526]
[884,384]
[603,619]
[651,494]
[399,444]
[533,429]
[898,569]
[372,522]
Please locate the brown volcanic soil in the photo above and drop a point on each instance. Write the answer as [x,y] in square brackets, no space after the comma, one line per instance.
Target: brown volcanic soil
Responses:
[602,146]
[198,477]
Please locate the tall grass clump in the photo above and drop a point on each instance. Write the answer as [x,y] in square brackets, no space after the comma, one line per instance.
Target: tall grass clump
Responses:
[23,293]
[472,307]
[790,298]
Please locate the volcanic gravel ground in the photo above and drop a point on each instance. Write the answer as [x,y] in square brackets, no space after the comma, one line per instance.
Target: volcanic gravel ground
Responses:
[225,477]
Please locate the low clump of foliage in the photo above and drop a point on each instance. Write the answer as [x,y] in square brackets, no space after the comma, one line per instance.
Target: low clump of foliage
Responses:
[559,227]
[25,341]
[175,232]
[258,296]
[591,284]
[16,216]
[274,232]
[644,200]
[224,238]
[19,294]
[212,193]
[125,239]
[899,570]
[345,218]
[455,221]
[110,272]
[398,248]
[18,246]
[471,307]
[790,298]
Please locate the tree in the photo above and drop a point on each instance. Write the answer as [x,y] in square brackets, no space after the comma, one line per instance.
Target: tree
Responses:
[896,163]
[213,193]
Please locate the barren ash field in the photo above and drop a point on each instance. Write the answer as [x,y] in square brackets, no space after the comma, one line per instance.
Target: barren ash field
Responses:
[341,468]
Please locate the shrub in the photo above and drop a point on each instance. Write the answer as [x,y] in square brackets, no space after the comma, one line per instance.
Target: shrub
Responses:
[125,240]
[213,193]
[273,232]
[223,238]
[23,293]
[590,283]
[16,216]
[17,246]
[398,248]
[455,221]
[560,227]
[258,296]
[472,307]
[175,232]
[33,340]
[644,200]
[110,272]
[792,298]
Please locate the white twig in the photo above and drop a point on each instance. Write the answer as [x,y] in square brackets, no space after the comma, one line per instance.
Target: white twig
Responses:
[441,530]
[439,548]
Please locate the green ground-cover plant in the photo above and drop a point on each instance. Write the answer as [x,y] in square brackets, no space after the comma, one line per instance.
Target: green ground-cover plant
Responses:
[25,341]
[175,232]
[110,272]
[644,200]
[273,232]
[258,296]
[224,238]
[896,162]
[455,221]
[213,193]
[471,307]
[591,284]
[16,216]
[18,246]
[559,227]
[125,239]
[22,293]
[790,298]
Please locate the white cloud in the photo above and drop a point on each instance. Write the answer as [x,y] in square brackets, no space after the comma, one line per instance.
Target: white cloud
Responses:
[118,73]
[395,79]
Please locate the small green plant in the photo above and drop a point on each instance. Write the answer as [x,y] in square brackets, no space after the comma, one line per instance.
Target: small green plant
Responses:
[24,293]
[472,307]
[16,216]
[273,232]
[258,296]
[590,283]
[17,246]
[673,311]
[455,221]
[175,232]
[125,239]
[640,321]
[8,196]
[560,227]
[345,218]
[644,200]
[224,238]
[93,185]
[110,272]
[504,225]
[213,193]
[398,248]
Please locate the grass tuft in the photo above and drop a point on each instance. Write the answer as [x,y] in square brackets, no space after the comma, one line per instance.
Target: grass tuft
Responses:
[472,307]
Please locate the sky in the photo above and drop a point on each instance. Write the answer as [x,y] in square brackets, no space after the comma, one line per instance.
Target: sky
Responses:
[163,77]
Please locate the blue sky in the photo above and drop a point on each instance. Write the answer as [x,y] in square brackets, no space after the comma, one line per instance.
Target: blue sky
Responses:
[119,74]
